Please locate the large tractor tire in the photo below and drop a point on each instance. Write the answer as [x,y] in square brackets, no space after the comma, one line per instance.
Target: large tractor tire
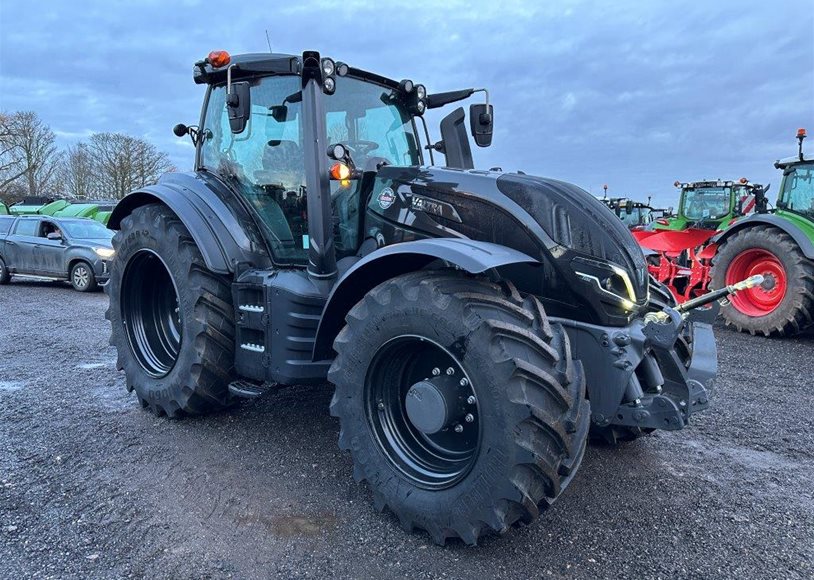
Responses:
[173,321]
[459,402]
[784,304]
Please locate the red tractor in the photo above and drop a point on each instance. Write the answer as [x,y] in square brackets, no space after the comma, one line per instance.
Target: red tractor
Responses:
[679,249]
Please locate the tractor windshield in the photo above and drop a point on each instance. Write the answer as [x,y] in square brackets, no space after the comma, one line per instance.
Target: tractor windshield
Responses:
[266,163]
[798,190]
[707,203]
[638,216]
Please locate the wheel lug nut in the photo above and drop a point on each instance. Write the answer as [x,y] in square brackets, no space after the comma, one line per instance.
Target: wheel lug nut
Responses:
[436,371]
[450,371]
[469,417]
[463,382]
[458,428]
[471,399]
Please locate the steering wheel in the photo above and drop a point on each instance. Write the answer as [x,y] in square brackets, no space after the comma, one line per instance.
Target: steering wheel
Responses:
[362,147]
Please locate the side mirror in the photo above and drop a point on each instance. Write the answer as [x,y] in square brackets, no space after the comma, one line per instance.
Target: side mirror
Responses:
[481,122]
[279,113]
[239,106]
[54,236]
[629,206]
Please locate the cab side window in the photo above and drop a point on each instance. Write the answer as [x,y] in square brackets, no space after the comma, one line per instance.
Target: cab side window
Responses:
[49,228]
[27,227]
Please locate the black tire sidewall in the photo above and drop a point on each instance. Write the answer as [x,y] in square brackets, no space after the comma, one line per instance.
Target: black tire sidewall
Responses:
[5,275]
[130,241]
[498,450]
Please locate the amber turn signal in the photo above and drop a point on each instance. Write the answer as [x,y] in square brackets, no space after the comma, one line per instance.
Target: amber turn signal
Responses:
[340,172]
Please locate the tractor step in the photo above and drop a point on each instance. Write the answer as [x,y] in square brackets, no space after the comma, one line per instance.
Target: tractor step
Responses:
[247,390]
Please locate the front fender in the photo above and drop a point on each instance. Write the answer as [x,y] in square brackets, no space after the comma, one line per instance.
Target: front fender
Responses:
[220,229]
[799,236]
[397,259]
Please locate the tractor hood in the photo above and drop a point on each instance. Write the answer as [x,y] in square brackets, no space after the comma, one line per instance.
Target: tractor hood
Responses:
[560,224]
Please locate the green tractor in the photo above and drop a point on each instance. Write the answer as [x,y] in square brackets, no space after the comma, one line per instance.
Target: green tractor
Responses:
[778,244]
[710,204]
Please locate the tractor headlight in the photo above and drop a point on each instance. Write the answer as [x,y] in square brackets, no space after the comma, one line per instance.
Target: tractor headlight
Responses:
[328,67]
[105,253]
[608,278]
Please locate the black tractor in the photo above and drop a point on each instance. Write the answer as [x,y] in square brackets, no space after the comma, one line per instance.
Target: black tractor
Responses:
[477,325]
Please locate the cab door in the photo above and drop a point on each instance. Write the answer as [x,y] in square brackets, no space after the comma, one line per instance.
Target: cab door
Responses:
[49,254]
[20,246]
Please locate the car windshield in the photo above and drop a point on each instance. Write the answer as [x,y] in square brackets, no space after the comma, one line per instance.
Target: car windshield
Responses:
[89,230]
[705,203]
[266,165]
[798,190]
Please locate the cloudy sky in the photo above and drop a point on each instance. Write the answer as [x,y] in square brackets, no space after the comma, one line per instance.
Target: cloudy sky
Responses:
[629,93]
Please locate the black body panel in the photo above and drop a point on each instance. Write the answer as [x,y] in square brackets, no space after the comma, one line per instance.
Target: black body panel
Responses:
[222,227]
[277,314]
[397,259]
[549,220]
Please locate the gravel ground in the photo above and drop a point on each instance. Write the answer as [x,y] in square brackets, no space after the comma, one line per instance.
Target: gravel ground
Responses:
[93,486]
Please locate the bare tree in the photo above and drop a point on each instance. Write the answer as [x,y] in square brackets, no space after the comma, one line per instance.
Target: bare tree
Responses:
[123,163]
[27,151]
[77,172]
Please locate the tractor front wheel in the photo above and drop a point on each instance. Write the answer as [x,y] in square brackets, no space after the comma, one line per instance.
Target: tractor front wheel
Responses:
[459,402]
[784,304]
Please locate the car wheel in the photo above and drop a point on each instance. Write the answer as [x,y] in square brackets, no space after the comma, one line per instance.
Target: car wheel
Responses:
[82,278]
[4,273]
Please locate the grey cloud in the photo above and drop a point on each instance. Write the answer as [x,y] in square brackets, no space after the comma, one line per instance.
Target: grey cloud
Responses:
[633,94]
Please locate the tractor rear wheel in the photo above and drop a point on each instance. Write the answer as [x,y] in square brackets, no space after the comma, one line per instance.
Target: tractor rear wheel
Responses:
[459,402]
[784,304]
[173,321]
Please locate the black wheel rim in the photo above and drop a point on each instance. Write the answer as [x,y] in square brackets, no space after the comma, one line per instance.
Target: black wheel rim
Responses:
[151,313]
[432,461]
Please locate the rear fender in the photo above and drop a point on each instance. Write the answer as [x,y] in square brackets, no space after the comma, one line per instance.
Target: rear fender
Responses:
[799,236]
[391,261]
[221,230]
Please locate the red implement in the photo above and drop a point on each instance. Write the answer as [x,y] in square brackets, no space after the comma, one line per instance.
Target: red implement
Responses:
[679,264]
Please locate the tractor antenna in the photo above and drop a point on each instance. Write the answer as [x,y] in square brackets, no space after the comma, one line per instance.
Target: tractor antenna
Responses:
[605,187]
[268,40]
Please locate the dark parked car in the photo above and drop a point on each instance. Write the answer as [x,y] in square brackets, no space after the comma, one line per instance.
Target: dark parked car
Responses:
[76,250]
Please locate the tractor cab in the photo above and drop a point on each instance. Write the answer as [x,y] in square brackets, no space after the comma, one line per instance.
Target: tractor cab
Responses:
[636,215]
[256,134]
[797,189]
[711,205]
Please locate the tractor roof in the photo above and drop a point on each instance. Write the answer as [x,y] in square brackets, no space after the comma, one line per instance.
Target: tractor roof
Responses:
[258,63]
[718,183]
[791,161]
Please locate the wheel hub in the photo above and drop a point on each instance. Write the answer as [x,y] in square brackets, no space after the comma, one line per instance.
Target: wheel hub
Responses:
[766,298]
[431,405]
[423,410]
